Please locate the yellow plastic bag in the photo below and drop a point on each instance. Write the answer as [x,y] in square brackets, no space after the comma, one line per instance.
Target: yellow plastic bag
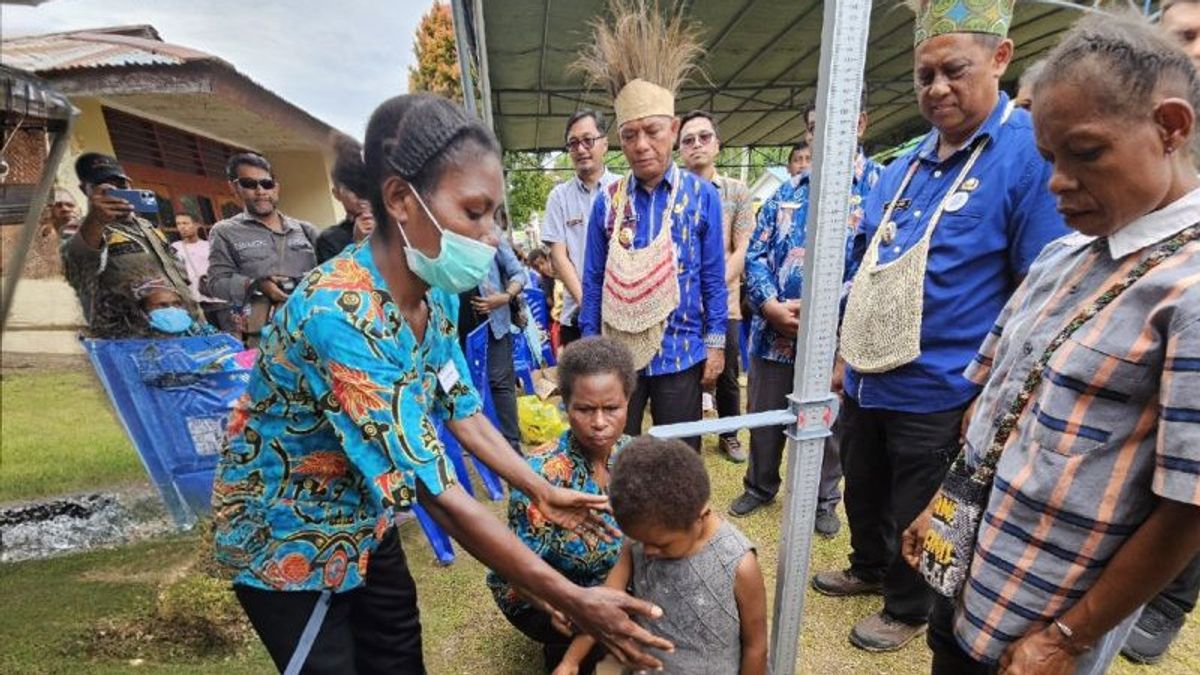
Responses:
[539,421]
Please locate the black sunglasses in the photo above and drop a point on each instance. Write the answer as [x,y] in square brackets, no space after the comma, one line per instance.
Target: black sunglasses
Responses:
[250,183]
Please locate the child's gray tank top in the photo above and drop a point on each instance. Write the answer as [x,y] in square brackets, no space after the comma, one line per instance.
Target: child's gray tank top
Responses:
[700,614]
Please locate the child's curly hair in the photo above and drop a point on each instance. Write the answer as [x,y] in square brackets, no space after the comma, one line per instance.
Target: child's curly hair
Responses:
[658,482]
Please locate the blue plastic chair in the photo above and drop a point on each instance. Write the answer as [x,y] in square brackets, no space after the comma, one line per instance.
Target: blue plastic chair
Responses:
[523,361]
[491,482]
[476,355]
[539,306]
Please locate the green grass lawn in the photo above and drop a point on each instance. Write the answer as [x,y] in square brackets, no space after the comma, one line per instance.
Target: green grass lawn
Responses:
[58,434]
[50,606]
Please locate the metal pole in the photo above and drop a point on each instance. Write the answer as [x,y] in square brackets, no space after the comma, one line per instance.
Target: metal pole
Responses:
[37,203]
[839,86]
[485,83]
[462,46]
[812,406]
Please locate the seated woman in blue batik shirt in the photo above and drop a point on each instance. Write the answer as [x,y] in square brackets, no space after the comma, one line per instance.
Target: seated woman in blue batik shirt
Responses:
[596,378]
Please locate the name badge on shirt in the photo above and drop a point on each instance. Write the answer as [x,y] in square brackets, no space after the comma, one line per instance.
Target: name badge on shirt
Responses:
[957,201]
[448,376]
[575,222]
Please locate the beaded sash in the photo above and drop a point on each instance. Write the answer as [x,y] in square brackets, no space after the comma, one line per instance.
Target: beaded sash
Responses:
[960,504]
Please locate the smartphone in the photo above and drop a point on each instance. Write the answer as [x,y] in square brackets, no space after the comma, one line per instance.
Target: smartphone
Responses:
[143,201]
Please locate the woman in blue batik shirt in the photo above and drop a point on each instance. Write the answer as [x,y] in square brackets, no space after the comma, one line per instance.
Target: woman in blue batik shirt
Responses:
[335,433]
[596,378]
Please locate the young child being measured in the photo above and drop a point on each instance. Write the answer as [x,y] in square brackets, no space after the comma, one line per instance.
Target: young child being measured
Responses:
[682,556]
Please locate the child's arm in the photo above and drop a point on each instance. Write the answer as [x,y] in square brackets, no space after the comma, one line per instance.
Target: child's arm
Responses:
[751,594]
[583,643]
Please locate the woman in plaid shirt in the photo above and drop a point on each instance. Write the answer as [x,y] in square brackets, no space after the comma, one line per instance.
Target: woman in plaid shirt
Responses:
[1095,502]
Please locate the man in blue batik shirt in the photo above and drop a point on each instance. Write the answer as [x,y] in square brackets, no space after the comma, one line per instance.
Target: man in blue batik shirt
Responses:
[774,283]
[901,427]
[657,194]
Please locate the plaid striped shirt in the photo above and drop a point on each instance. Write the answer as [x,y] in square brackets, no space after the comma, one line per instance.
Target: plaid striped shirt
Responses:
[1114,426]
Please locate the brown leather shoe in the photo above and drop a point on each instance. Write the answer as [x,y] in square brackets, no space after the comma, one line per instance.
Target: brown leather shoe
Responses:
[881,633]
[843,583]
[732,448]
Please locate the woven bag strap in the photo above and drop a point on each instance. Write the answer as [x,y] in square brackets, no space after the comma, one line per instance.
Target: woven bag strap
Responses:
[1008,421]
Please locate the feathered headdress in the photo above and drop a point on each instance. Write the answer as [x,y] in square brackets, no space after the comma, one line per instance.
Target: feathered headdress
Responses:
[640,57]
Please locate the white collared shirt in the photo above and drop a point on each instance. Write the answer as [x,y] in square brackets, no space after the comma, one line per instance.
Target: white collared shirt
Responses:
[1155,226]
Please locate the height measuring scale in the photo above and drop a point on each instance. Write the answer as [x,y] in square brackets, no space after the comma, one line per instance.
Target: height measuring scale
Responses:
[812,406]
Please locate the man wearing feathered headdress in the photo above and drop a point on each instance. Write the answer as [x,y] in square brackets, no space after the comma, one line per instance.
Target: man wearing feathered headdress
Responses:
[947,234]
[654,268]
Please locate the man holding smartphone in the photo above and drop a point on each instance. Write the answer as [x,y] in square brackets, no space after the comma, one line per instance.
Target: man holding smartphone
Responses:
[113,248]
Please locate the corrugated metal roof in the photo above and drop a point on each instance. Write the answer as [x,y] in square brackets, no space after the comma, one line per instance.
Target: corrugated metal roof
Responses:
[101,48]
[761,60]
[86,58]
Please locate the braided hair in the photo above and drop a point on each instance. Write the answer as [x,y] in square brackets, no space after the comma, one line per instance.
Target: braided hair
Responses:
[416,137]
[1125,60]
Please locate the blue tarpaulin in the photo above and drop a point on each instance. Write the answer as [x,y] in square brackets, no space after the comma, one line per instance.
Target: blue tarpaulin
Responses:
[174,398]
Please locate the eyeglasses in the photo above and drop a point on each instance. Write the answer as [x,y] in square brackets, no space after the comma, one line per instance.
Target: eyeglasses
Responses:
[250,183]
[587,142]
[700,139]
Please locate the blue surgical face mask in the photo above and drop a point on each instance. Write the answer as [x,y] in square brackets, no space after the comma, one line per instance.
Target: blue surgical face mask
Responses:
[461,265]
[172,320]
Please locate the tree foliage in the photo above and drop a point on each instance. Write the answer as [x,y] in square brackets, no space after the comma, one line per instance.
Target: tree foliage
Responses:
[437,69]
[528,187]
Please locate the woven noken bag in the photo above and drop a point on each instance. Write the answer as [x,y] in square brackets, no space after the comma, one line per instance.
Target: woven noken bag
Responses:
[641,287]
[881,330]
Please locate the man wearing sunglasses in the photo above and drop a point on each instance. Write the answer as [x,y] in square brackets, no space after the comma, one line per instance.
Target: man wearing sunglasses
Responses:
[699,146]
[112,248]
[258,256]
[564,230]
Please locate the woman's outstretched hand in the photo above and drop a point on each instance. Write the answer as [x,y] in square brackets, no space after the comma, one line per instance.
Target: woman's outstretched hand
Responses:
[579,512]
[604,613]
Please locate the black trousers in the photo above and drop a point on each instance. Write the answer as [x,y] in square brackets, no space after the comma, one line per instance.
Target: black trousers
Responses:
[673,398]
[770,383]
[894,463]
[567,334]
[729,390]
[535,625]
[948,657]
[502,380]
[372,629]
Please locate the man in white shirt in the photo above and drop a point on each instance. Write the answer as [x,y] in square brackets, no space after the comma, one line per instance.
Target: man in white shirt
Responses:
[565,227]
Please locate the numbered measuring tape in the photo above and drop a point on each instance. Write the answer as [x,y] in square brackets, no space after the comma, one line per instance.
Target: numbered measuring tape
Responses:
[839,93]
